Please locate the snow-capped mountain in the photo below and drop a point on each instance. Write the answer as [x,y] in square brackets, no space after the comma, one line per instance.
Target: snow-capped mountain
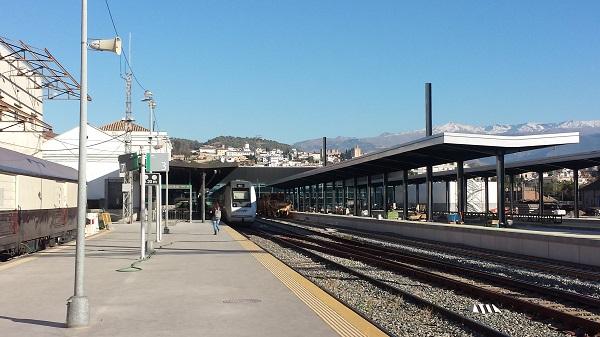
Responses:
[589,131]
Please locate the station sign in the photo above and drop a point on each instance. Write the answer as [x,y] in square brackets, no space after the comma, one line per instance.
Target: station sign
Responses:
[157,162]
[152,178]
[129,162]
[177,186]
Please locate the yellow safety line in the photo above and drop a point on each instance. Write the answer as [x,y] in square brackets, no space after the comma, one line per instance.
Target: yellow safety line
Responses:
[340,318]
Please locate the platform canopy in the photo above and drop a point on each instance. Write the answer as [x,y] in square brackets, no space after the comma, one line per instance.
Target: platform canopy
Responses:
[183,172]
[433,150]
[571,161]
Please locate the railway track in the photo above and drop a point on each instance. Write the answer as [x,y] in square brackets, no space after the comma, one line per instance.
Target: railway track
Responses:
[568,310]
[462,320]
[586,273]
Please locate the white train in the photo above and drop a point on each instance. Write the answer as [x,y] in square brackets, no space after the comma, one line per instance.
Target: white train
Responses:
[238,201]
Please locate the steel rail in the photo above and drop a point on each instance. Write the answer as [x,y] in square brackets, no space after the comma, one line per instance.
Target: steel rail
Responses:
[419,301]
[333,248]
[522,261]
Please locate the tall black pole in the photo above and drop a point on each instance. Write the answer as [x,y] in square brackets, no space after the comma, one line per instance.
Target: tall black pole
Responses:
[324,153]
[428,124]
[429,132]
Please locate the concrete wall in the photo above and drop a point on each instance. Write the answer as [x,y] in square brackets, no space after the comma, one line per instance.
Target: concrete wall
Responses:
[575,248]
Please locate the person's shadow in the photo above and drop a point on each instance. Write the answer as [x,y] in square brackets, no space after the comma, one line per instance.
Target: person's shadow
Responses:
[35,322]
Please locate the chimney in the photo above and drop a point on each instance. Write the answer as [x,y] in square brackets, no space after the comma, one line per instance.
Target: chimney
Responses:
[428,128]
[324,152]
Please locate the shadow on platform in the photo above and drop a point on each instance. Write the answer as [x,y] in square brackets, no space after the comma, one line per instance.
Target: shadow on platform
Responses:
[35,322]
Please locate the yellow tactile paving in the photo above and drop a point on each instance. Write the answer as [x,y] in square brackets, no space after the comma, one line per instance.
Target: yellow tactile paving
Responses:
[341,319]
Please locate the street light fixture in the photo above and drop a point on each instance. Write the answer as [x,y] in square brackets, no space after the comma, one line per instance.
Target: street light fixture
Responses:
[78,310]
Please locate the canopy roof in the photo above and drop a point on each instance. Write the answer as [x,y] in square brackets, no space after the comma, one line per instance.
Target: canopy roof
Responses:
[571,161]
[180,172]
[433,150]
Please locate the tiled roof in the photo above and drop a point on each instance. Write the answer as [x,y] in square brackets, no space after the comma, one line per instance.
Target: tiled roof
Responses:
[121,126]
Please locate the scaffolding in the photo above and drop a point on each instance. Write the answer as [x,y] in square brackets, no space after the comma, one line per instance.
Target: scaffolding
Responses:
[44,71]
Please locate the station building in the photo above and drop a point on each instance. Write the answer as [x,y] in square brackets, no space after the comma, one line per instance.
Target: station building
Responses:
[105,145]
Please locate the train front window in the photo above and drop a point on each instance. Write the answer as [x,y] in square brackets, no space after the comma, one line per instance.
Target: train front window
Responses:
[241,194]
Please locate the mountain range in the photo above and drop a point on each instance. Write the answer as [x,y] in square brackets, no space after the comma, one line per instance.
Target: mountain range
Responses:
[589,140]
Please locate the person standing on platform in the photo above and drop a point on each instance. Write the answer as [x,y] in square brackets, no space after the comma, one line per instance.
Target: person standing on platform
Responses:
[216,217]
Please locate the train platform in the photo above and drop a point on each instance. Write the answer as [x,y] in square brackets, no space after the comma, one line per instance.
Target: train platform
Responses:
[196,284]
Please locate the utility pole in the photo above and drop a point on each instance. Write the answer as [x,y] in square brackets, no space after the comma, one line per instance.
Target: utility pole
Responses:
[128,178]
[78,307]
[143,204]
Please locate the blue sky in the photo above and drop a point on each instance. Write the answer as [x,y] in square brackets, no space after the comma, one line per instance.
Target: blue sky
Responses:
[293,70]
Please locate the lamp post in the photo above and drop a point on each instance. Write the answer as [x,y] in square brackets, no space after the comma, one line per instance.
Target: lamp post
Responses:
[78,310]
[148,97]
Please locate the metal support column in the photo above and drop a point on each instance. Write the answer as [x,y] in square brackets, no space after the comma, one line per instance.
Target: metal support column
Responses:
[203,194]
[369,195]
[344,195]
[333,197]
[313,201]
[511,192]
[191,191]
[486,189]
[384,195]
[150,223]
[355,187]
[317,205]
[460,176]
[166,229]
[324,196]
[405,192]
[158,208]
[429,182]
[143,221]
[541,194]
[304,198]
[417,196]
[447,195]
[500,177]
[576,192]
[78,310]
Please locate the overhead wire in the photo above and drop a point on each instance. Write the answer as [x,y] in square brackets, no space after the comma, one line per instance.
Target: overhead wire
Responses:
[112,20]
